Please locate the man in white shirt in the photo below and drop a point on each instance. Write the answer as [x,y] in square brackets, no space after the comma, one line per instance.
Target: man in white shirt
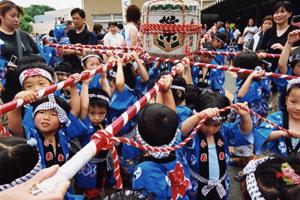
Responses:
[113,37]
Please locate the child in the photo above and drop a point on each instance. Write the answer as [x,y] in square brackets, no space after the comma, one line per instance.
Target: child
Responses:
[252,88]
[179,90]
[62,72]
[208,154]
[93,177]
[206,78]
[233,47]
[269,178]
[270,138]
[218,42]
[157,173]
[19,161]
[90,62]
[33,77]
[54,126]
[161,174]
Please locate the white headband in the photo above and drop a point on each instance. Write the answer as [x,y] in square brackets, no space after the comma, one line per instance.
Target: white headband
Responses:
[99,96]
[176,87]
[158,155]
[51,104]
[252,186]
[34,72]
[89,56]
[292,82]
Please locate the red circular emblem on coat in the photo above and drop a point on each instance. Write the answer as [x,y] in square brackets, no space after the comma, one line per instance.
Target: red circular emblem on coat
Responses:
[203,157]
[60,158]
[49,156]
[221,156]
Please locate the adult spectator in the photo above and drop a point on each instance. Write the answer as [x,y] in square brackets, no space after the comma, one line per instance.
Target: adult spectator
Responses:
[17,43]
[79,34]
[275,38]
[257,38]
[97,30]
[236,32]
[249,32]
[113,37]
[131,33]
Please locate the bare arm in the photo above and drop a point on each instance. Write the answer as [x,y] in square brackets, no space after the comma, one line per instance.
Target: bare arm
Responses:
[15,116]
[120,80]
[245,87]
[246,125]
[104,83]
[143,71]
[84,99]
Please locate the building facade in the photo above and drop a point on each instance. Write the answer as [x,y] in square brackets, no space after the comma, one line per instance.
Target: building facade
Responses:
[105,11]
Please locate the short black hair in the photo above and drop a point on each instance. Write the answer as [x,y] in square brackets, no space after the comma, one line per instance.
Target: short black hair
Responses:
[133,14]
[79,11]
[157,124]
[64,67]
[97,102]
[179,95]
[246,60]
[113,24]
[30,59]
[210,99]
[191,95]
[16,158]
[283,4]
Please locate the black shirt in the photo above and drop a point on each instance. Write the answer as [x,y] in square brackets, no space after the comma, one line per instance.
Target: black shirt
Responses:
[270,38]
[84,37]
[10,45]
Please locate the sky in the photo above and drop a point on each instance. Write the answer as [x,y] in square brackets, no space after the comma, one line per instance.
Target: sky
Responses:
[57,4]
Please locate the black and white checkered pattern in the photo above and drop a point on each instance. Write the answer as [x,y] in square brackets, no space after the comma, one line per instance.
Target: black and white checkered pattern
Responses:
[100,97]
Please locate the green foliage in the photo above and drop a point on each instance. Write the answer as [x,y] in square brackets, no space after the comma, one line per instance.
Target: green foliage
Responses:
[34,10]
[29,14]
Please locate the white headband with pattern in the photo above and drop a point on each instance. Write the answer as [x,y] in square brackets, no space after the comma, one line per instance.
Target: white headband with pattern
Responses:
[99,96]
[34,72]
[158,155]
[292,82]
[51,104]
[89,56]
[251,183]
[177,87]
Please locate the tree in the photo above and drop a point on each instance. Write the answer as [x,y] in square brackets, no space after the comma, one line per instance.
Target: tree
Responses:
[29,14]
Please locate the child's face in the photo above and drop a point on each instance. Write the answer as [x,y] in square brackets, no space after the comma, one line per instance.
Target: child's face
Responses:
[206,58]
[35,83]
[293,103]
[92,63]
[46,121]
[210,128]
[97,114]
[62,77]
[296,69]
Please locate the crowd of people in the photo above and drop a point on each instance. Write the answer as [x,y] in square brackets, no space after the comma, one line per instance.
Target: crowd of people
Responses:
[41,136]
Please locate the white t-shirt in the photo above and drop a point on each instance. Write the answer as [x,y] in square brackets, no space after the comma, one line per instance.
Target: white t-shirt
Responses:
[248,36]
[129,29]
[115,40]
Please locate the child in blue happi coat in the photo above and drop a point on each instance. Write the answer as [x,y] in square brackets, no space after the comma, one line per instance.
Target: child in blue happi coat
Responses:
[269,138]
[91,62]
[179,90]
[208,154]
[253,88]
[206,78]
[164,175]
[219,44]
[93,177]
[289,63]
[48,53]
[55,124]
[62,72]
[32,77]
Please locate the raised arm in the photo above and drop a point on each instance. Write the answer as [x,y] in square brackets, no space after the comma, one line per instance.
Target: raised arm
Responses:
[74,97]
[245,87]
[293,37]
[120,80]
[104,82]
[84,99]
[15,116]
[143,71]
